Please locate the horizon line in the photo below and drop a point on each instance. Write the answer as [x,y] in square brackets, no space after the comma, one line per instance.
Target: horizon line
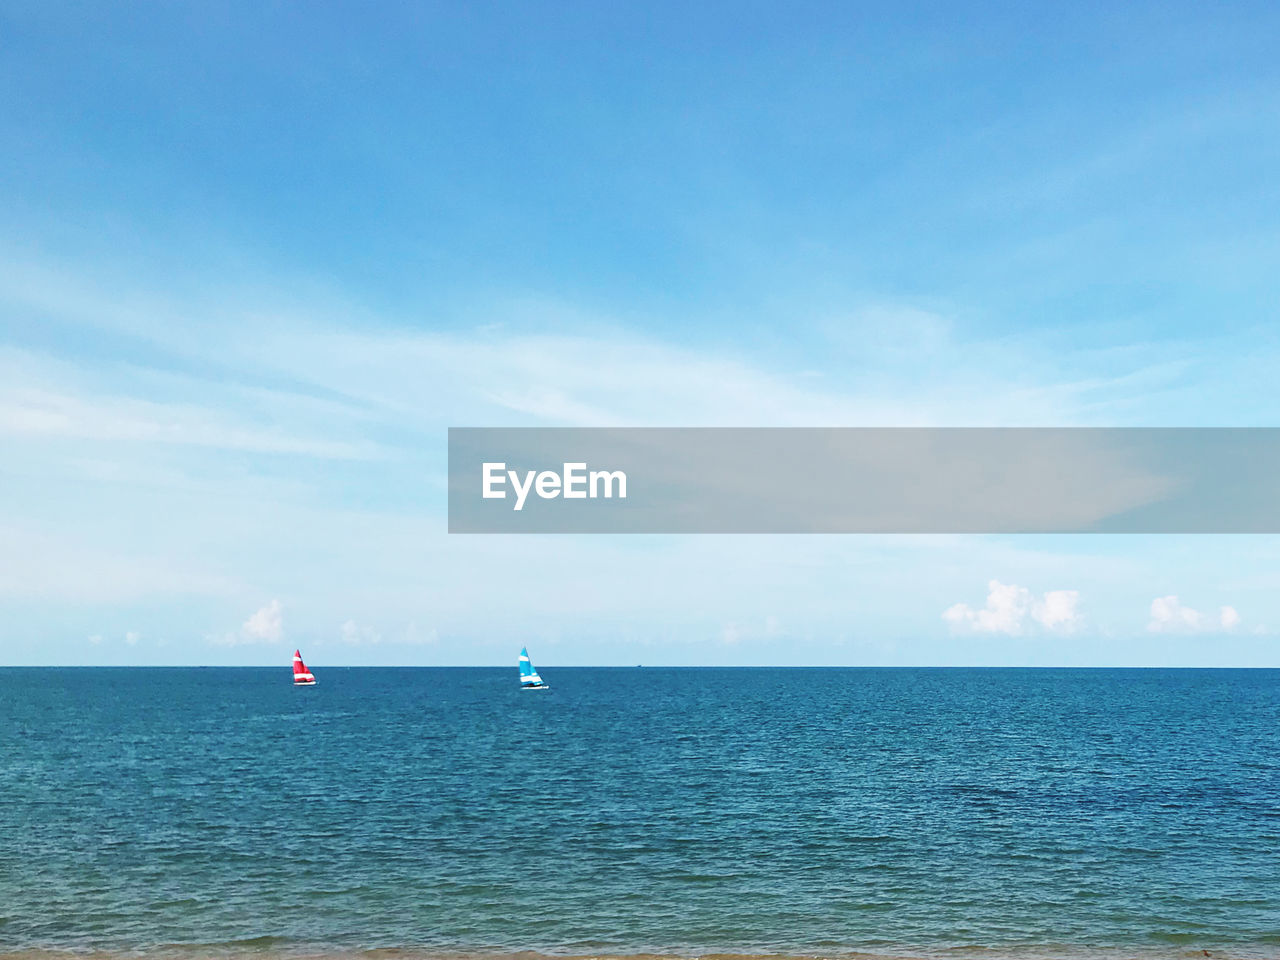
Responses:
[639,666]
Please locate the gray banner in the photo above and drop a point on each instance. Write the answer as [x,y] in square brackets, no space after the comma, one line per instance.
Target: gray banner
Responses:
[864,480]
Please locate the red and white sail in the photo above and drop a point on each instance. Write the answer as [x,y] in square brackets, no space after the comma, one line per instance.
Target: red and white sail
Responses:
[300,672]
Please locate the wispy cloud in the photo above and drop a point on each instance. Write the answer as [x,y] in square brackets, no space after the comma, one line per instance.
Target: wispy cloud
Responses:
[1171,615]
[735,632]
[196,464]
[46,564]
[52,411]
[357,635]
[598,373]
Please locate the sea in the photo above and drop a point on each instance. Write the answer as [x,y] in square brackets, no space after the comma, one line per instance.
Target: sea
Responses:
[442,812]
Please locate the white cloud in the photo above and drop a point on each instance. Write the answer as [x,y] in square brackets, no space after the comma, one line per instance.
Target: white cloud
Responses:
[416,636]
[355,634]
[307,384]
[1171,615]
[304,385]
[263,626]
[734,632]
[1057,611]
[1013,610]
[266,625]
[95,639]
[132,638]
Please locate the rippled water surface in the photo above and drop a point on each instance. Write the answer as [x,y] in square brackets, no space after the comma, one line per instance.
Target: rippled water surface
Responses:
[693,810]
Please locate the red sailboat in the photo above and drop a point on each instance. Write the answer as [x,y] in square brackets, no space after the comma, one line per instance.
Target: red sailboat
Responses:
[301,675]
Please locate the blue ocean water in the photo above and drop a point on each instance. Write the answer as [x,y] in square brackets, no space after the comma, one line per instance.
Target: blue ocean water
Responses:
[893,811]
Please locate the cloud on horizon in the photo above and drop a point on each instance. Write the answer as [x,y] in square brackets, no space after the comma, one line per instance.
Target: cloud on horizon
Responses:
[356,634]
[1170,615]
[1014,610]
[265,625]
[335,434]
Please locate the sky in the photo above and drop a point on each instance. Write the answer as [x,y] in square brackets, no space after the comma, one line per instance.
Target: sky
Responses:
[256,258]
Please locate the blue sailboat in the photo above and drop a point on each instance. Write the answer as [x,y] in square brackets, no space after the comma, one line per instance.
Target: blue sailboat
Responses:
[529,679]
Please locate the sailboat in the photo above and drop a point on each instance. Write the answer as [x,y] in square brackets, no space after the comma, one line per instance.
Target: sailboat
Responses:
[301,675]
[529,679]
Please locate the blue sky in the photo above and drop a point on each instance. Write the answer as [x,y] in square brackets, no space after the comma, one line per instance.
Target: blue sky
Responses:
[256,258]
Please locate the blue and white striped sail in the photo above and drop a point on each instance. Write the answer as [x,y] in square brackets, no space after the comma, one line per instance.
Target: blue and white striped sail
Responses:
[528,676]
